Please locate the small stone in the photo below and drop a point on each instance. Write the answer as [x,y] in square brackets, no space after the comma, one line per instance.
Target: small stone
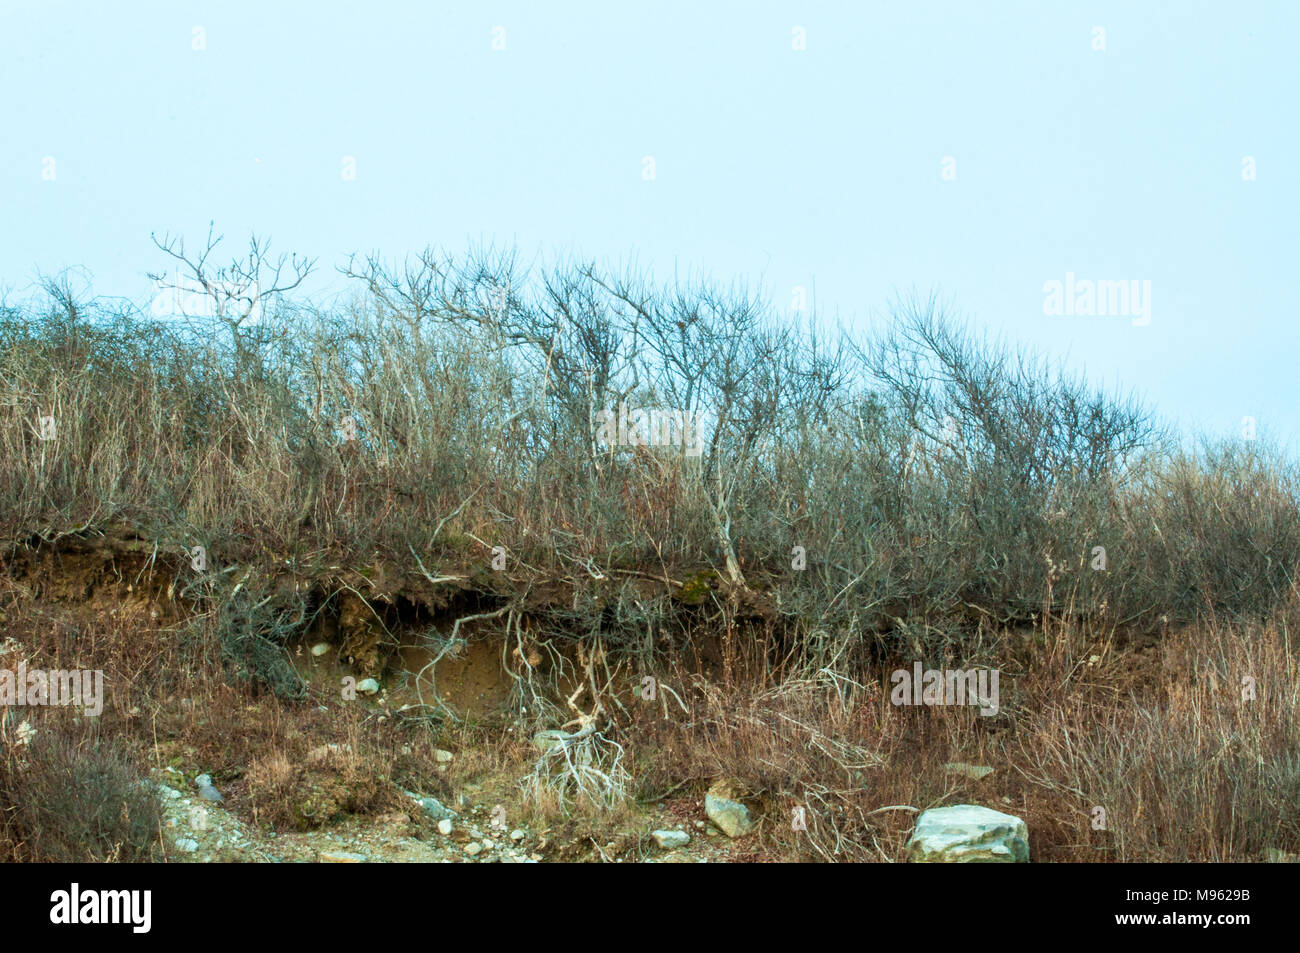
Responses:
[670,840]
[187,844]
[341,857]
[206,791]
[368,686]
[516,835]
[442,757]
[320,648]
[731,817]
[474,848]
[432,806]
[444,827]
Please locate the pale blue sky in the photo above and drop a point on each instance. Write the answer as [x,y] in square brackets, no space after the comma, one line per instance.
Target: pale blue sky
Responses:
[819,167]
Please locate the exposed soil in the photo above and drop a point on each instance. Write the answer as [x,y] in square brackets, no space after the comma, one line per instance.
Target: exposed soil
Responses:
[121,585]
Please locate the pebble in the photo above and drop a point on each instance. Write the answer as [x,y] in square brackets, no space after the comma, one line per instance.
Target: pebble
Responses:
[187,844]
[444,827]
[206,791]
[432,806]
[669,840]
[474,848]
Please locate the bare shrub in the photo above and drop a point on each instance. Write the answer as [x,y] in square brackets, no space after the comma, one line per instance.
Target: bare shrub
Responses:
[70,796]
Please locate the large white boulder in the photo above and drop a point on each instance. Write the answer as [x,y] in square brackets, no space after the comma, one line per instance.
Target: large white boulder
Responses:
[966,834]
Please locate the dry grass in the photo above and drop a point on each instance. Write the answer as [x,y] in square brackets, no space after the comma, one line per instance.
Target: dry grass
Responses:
[68,795]
[949,498]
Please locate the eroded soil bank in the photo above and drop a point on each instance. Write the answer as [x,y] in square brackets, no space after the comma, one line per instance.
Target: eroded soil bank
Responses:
[373,714]
[357,719]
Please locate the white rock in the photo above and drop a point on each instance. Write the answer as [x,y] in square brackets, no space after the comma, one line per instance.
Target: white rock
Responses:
[732,817]
[516,835]
[444,827]
[206,791]
[473,848]
[320,648]
[432,806]
[368,686]
[187,844]
[967,833]
[442,757]
[671,839]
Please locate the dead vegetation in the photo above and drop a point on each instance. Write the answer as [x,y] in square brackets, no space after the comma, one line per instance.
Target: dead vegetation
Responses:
[185,506]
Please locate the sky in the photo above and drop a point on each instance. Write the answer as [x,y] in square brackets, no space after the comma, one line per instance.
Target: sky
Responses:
[857,151]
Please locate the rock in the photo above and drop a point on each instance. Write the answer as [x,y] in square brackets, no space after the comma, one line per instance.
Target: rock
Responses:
[967,833]
[187,844]
[473,848]
[517,835]
[368,686]
[444,827]
[432,806]
[320,648]
[206,791]
[731,817]
[442,757]
[168,793]
[341,857]
[669,840]
[973,771]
